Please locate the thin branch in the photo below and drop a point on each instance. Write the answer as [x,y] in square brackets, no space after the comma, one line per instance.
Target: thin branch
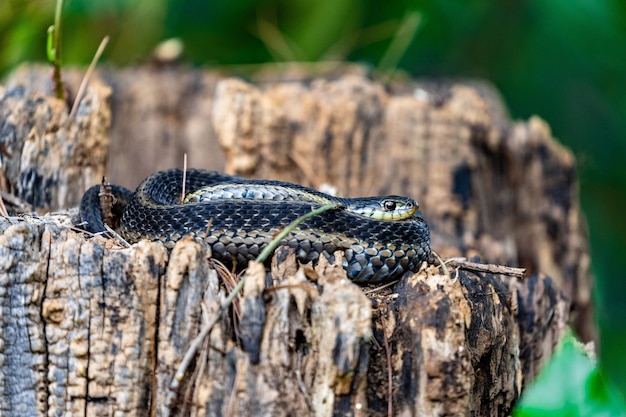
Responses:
[380,287]
[461,263]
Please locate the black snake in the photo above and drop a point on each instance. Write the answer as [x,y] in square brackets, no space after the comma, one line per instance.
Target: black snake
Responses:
[381,237]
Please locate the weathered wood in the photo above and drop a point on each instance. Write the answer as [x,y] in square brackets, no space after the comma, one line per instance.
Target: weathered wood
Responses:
[78,323]
[459,343]
[88,327]
[47,158]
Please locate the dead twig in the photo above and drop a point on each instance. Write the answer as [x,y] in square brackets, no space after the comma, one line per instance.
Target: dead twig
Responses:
[106,199]
[380,287]
[464,264]
[20,205]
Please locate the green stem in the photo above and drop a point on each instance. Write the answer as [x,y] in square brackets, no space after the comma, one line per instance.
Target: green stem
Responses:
[274,244]
[50,45]
[56,52]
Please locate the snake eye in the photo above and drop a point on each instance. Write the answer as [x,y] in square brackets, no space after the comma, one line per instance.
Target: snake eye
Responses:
[389,205]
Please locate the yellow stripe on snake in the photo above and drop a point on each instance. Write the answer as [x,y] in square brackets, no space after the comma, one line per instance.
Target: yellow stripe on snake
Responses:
[381,237]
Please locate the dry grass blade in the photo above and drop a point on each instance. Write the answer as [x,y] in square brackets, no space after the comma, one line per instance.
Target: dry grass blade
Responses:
[276,42]
[446,271]
[230,280]
[119,239]
[3,209]
[182,193]
[401,41]
[85,81]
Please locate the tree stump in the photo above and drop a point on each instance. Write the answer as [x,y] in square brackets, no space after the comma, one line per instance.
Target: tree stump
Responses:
[92,328]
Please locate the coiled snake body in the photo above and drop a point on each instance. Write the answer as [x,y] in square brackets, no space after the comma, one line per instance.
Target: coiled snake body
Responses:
[381,237]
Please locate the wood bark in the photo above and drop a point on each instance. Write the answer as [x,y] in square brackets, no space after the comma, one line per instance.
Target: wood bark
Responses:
[91,328]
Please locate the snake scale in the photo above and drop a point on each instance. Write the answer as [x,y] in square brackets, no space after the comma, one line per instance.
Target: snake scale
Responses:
[381,237]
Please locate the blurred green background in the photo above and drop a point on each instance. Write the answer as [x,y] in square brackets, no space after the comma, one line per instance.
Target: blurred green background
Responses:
[564,60]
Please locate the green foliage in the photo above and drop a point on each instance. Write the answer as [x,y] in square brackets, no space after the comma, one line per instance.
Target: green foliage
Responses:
[571,385]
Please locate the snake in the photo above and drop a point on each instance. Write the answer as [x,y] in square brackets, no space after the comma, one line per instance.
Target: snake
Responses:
[381,237]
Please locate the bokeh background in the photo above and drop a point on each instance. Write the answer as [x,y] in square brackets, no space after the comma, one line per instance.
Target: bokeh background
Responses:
[564,60]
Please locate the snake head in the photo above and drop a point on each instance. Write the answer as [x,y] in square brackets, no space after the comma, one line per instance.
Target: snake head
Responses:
[385,208]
